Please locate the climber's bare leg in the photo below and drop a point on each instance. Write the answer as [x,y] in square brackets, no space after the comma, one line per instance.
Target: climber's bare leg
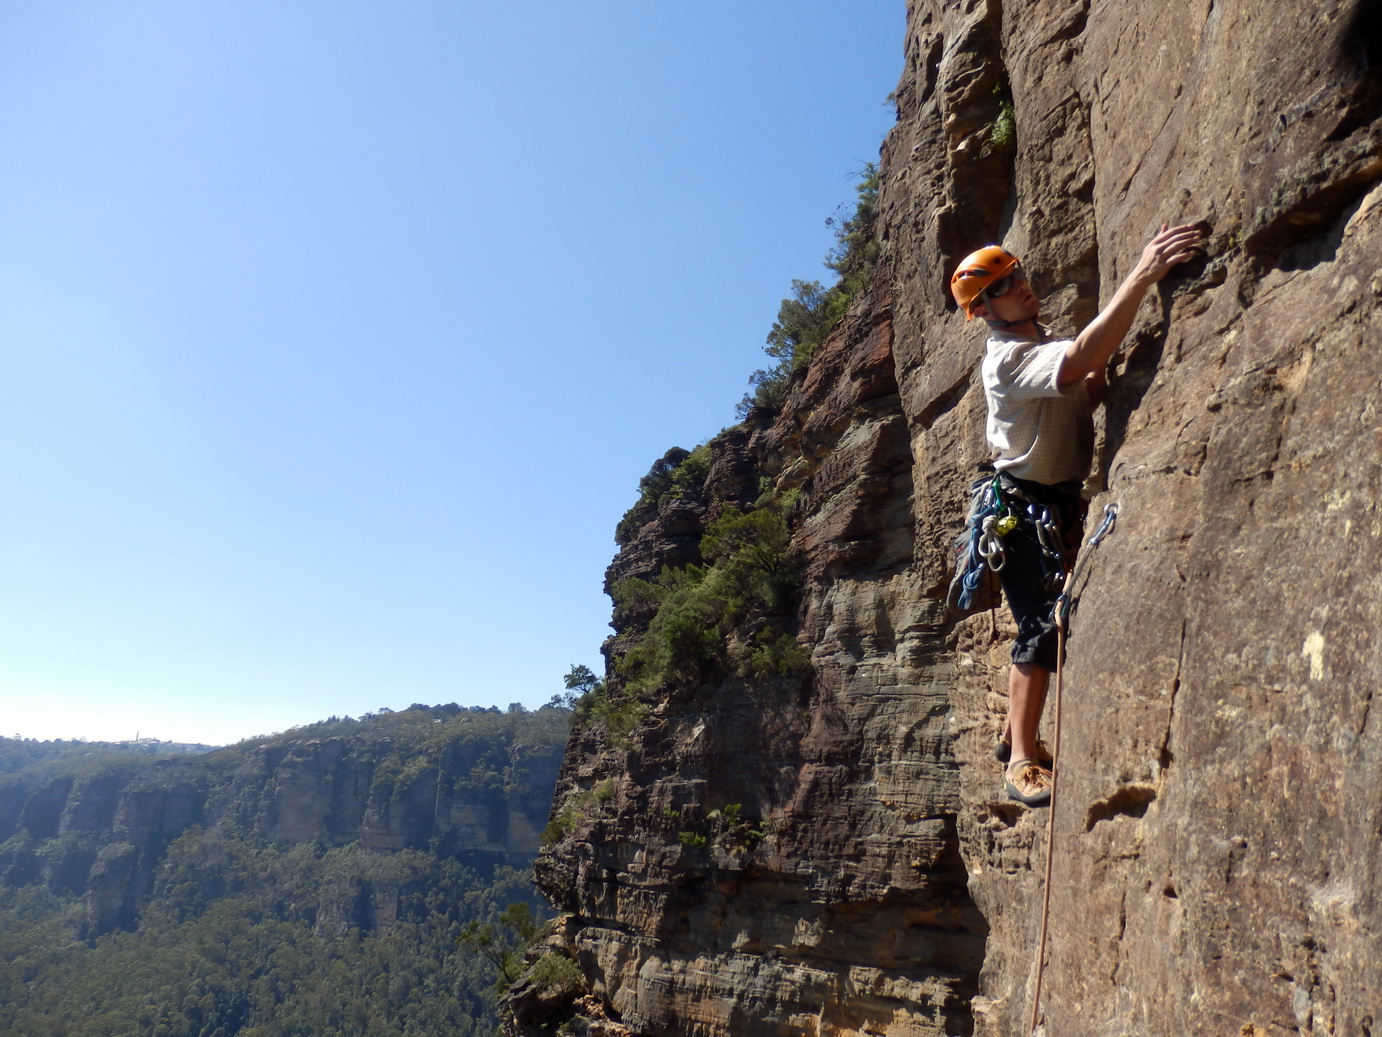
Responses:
[1027,684]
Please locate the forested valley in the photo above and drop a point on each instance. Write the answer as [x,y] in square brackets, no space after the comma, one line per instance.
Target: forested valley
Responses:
[367,876]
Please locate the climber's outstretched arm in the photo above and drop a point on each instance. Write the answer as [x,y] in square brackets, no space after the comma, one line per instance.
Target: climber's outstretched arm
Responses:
[1096,344]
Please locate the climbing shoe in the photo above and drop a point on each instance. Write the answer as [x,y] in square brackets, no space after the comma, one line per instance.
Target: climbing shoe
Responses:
[1003,752]
[1028,782]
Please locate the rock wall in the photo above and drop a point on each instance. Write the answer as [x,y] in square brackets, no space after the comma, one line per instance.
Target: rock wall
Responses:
[1217,832]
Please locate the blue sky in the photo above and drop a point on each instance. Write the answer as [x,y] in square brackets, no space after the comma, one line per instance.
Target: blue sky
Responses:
[337,336]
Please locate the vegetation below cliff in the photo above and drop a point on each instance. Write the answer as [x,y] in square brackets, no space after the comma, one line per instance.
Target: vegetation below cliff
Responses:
[353,877]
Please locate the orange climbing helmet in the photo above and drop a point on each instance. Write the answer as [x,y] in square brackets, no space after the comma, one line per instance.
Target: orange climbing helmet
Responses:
[976,272]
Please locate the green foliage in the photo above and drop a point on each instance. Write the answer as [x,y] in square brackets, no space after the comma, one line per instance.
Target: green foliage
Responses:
[421,725]
[812,312]
[617,715]
[856,242]
[676,474]
[505,944]
[729,614]
[558,977]
[581,679]
[1005,122]
[731,826]
[789,503]
[562,824]
[726,829]
[769,390]
[749,551]
[634,596]
[580,804]
[689,476]
[46,758]
[262,956]
[802,322]
[781,656]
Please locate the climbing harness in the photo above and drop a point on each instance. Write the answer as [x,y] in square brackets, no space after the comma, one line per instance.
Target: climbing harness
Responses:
[997,507]
[1061,614]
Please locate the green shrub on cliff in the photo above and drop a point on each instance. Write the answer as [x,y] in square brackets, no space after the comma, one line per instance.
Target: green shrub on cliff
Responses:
[617,716]
[558,976]
[813,311]
[727,615]
[676,474]
[802,323]
[1005,123]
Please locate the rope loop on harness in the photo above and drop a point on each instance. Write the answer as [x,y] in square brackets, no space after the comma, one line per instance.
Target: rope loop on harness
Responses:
[976,546]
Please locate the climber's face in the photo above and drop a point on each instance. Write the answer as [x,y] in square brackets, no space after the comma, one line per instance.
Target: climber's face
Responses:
[1010,299]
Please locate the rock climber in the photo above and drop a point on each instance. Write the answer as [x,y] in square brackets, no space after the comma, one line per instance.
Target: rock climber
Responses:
[1041,396]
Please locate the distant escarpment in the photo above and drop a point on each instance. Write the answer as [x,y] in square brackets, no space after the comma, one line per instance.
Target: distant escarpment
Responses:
[779,814]
[469,785]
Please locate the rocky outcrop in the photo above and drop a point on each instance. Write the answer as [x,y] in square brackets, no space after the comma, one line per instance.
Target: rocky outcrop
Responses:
[1216,838]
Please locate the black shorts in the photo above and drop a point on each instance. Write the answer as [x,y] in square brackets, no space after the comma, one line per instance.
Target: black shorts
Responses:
[1025,574]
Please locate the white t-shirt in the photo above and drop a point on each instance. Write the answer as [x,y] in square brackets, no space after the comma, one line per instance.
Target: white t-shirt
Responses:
[1037,430]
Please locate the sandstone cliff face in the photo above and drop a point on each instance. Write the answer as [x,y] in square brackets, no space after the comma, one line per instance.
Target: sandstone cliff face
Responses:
[1218,835]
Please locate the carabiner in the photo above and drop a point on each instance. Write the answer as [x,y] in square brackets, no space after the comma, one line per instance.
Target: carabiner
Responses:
[1110,520]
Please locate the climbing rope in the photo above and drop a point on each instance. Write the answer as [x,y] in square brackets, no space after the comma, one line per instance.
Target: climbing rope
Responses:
[1061,615]
[980,543]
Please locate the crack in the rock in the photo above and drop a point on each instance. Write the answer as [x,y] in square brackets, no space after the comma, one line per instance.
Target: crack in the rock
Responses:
[1122,930]
[1165,756]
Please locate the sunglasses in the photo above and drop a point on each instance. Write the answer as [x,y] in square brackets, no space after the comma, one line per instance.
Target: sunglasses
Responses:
[1004,285]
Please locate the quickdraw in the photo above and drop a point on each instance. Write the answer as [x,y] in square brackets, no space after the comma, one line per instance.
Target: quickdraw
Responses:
[1061,612]
[1052,550]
